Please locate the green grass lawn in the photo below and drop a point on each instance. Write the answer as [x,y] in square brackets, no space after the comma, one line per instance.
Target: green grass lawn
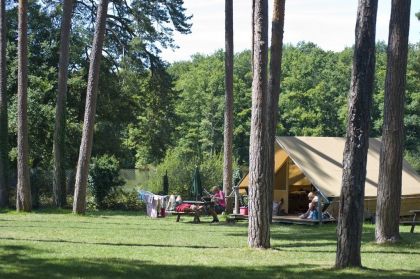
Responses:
[53,244]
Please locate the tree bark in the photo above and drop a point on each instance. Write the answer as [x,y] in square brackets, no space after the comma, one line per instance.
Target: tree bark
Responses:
[350,219]
[59,185]
[228,127]
[23,197]
[79,204]
[259,227]
[277,28]
[252,36]
[391,157]
[4,132]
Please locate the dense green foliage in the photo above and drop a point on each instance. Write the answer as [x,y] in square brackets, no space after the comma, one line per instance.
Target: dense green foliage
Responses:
[201,102]
[134,86]
[134,117]
[122,199]
[104,177]
[180,168]
[104,244]
[313,100]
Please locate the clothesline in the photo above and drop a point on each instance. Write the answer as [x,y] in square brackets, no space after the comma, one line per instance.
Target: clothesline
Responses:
[154,203]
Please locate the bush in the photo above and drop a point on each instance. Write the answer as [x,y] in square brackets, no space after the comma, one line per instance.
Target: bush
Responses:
[122,200]
[104,177]
[180,168]
[41,187]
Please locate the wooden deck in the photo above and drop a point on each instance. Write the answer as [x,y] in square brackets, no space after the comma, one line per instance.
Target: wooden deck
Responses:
[286,219]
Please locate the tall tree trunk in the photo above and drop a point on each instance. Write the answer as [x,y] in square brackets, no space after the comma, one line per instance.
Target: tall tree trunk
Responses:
[390,169]
[228,129]
[274,92]
[252,37]
[259,226]
[59,186]
[23,197]
[350,219]
[79,204]
[4,145]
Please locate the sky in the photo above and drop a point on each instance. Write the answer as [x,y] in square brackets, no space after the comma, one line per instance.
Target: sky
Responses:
[328,23]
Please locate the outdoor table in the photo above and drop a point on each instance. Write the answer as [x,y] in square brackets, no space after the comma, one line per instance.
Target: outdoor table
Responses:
[196,214]
[206,204]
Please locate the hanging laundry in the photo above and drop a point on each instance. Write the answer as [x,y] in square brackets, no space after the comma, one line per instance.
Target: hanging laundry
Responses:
[154,203]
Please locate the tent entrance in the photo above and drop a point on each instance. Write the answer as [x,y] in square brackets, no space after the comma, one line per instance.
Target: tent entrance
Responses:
[291,188]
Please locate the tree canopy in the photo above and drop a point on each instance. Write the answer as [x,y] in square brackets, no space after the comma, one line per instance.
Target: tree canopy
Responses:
[313,101]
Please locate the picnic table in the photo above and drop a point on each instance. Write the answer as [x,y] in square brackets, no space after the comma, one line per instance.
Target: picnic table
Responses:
[196,214]
[414,221]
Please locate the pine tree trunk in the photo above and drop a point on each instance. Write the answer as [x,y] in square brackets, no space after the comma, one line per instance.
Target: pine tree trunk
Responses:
[259,226]
[274,92]
[252,35]
[59,186]
[350,219]
[23,197]
[228,128]
[79,204]
[391,157]
[4,132]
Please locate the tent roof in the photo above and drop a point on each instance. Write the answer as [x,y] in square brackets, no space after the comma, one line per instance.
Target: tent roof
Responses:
[320,159]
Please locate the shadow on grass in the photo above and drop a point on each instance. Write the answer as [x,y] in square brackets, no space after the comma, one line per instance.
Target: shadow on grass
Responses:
[107,225]
[299,235]
[110,243]
[333,251]
[89,213]
[20,261]
[112,213]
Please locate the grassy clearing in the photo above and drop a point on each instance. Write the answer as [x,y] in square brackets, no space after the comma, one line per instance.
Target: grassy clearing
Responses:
[53,244]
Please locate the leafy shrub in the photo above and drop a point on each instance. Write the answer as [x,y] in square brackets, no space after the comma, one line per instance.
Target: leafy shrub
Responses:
[180,168]
[103,178]
[122,200]
[41,186]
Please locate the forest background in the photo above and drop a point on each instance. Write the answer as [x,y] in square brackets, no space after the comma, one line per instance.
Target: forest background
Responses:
[163,117]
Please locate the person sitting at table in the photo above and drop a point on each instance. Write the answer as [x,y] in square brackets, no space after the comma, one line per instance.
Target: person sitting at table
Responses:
[218,198]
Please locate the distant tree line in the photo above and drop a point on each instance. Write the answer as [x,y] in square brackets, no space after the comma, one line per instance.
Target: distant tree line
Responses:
[313,100]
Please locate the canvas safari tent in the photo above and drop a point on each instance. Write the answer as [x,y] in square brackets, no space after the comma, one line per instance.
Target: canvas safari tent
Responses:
[303,164]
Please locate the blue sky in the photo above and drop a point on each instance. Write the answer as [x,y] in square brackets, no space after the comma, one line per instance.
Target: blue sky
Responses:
[328,23]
